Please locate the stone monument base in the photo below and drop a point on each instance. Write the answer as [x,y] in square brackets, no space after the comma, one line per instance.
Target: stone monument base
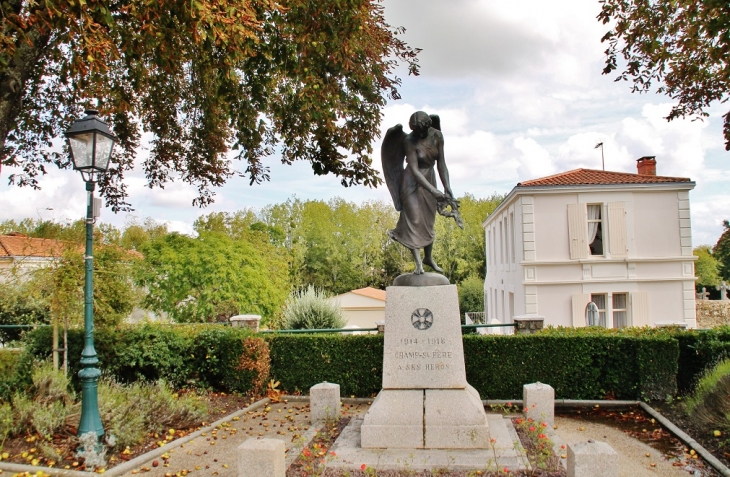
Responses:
[426,419]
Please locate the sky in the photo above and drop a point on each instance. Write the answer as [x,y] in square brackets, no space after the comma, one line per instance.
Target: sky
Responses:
[519,89]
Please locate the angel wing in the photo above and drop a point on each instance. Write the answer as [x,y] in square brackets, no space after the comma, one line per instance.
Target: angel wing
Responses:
[435,121]
[392,155]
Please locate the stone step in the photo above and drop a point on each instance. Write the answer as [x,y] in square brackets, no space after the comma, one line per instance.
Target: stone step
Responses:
[505,451]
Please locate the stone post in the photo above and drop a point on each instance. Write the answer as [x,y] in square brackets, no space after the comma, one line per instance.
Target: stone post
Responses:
[246,321]
[257,457]
[527,324]
[381,327]
[539,403]
[592,459]
[324,401]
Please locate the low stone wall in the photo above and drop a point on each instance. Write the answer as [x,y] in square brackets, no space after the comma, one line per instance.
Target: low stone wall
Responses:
[712,313]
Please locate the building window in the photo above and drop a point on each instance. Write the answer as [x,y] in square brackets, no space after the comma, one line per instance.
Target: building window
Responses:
[620,315]
[595,229]
[600,301]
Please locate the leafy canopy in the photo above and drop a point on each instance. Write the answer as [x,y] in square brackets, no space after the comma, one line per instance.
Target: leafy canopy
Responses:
[204,77]
[211,278]
[683,45]
[721,251]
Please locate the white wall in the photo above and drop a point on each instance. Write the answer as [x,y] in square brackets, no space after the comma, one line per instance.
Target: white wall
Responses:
[655,260]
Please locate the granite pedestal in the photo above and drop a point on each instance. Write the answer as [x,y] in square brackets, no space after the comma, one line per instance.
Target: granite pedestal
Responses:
[426,402]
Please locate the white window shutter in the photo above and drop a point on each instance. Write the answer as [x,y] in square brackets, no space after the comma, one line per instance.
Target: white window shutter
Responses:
[577,231]
[617,230]
[580,301]
[640,309]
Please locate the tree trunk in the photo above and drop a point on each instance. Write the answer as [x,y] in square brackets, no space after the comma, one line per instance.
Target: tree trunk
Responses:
[55,346]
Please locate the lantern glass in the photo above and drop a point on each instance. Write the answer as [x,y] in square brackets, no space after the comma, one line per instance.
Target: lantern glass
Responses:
[82,150]
[104,145]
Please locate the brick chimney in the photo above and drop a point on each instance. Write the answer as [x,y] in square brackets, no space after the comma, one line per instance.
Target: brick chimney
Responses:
[646,165]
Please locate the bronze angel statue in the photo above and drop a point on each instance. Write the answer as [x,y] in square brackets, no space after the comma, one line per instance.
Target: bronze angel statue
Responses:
[413,188]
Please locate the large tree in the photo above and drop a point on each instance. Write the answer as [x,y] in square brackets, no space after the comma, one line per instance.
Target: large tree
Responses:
[721,251]
[204,77]
[212,277]
[683,45]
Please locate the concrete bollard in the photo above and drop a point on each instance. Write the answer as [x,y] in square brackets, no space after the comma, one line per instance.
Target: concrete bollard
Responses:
[324,401]
[592,459]
[258,457]
[538,400]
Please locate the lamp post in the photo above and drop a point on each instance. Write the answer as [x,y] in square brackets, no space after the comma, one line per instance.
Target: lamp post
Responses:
[91,145]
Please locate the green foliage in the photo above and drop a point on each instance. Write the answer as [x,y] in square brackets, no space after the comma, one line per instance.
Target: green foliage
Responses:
[584,365]
[6,421]
[62,285]
[699,351]
[354,362]
[709,404]
[309,309]
[130,412]
[721,251]
[461,253]
[211,278]
[706,267]
[588,365]
[45,406]
[680,44]
[210,357]
[471,294]
[233,75]
[135,235]
[20,305]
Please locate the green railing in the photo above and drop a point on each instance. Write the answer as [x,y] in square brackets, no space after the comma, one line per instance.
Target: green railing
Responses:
[352,330]
[321,330]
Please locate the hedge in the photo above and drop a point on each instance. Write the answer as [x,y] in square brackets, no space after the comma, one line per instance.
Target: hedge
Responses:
[355,362]
[212,357]
[585,363]
[577,366]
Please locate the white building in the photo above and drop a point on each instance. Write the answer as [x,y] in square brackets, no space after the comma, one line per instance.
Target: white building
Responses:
[362,307]
[20,254]
[621,241]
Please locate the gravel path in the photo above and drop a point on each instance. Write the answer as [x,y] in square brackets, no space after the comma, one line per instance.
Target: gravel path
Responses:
[214,454]
[635,457]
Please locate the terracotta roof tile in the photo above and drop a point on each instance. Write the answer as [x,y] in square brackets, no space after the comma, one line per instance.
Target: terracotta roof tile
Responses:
[371,293]
[594,177]
[24,246]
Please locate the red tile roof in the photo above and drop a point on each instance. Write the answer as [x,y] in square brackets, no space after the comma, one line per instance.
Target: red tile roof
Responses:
[17,245]
[370,293]
[594,177]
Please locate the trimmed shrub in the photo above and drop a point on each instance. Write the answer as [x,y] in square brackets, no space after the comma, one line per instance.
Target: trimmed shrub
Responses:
[309,309]
[699,351]
[354,362]
[205,356]
[578,365]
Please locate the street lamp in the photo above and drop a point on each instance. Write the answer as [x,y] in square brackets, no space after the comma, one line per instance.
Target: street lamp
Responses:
[91,145]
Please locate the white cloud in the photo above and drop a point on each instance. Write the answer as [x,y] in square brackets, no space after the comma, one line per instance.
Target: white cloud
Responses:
[534,160]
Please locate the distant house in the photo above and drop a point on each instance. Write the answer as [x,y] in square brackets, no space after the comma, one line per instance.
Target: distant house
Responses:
[22,254]
[617,240]
[362,307]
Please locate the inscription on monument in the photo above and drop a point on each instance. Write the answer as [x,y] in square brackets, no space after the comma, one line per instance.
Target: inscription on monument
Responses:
[417,354]
[423,342]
